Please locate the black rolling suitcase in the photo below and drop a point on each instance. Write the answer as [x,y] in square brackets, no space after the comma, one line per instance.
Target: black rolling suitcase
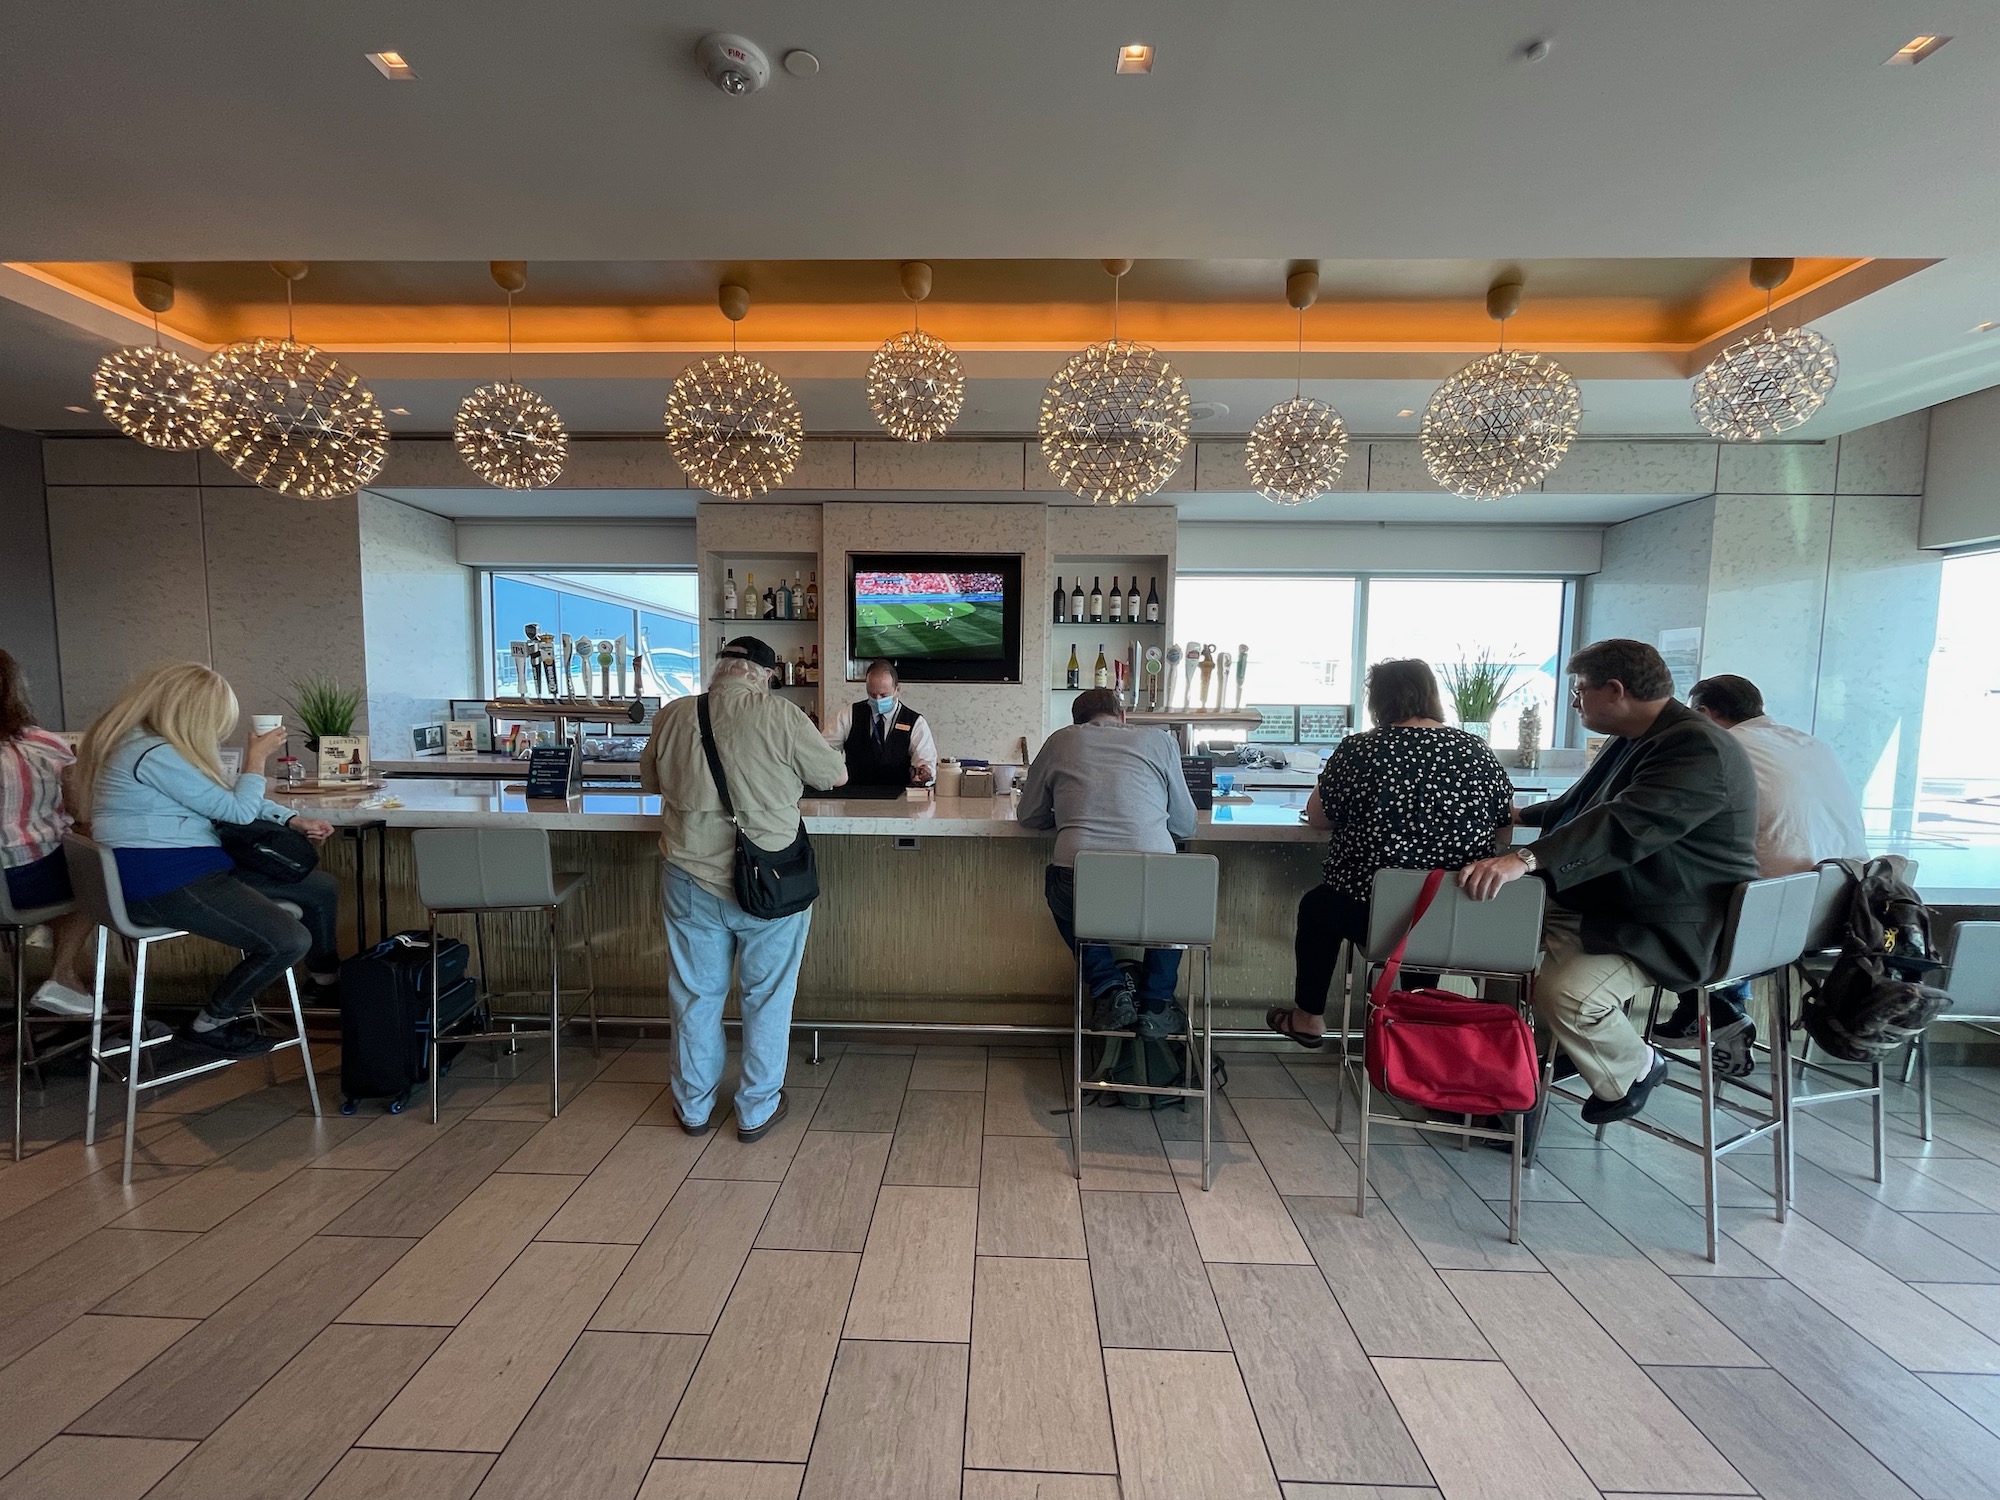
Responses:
[385,1016]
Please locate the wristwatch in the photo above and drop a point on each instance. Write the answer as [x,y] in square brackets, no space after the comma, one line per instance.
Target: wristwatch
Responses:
[1527,857]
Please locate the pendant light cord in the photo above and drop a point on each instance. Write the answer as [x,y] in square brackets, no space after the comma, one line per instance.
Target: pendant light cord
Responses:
[510,337]
[1299,368]
[1116,282]
[288,312]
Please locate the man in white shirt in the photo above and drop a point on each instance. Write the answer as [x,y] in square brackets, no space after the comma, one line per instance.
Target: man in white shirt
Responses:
[884,741]
[1806,812]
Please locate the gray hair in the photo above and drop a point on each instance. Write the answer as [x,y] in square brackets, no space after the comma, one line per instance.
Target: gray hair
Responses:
[741,667]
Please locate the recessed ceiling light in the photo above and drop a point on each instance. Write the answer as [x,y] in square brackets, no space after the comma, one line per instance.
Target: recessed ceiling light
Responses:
[1916,49]
[1976,328]
[391,65]
[81,411]
[1408,411]
[399,411]
[1136,58]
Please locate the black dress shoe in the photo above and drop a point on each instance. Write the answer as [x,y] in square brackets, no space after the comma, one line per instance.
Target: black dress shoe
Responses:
[758,1134]
[1604,1111]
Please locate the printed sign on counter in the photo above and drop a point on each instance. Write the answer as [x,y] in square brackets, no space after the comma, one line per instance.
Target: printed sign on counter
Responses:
[427,739]
[343,757]
[1278,724]
[461,737]
[552,771]
[1324,723]
[1199,770]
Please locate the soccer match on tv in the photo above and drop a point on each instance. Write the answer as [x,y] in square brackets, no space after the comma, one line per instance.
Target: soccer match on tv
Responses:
[931,615]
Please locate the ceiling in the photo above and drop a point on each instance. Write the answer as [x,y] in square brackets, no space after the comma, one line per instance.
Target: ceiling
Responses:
[1406,146]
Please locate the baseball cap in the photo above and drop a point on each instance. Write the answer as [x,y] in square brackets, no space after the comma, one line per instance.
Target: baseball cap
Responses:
[749,647]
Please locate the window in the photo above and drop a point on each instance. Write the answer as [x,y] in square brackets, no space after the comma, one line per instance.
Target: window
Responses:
[1299,631]
[1958,771]
[654,612]
[1303,634]
[1451,621]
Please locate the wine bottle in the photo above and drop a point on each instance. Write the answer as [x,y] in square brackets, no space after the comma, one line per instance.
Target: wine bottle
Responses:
[1101,675]
[798,609]
[1117,602]
[812,665]
[753,607]
[1076,603]
[1075,676]
[1097,601]
[1061,616]
[1132,602]
[729,595]
[1152,601]
[812,595]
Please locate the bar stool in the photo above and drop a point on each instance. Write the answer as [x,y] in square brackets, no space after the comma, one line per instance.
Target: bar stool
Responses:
[1765,931]
[477,871]
[17,922]
[1972,979]
[1151,901]
[1496,939]
[93,874]
[1831,899]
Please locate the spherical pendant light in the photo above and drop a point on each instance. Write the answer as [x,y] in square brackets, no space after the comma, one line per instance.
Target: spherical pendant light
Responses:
[151,394]
[292,418]
[1501,424]
[509,436]
[915,385]
[732,424]
[1297,448]
[1114,422]
[1769,381]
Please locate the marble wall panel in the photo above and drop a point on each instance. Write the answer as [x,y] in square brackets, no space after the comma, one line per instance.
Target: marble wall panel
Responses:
[1881,627]
[938,466]
[825,464]
[426,464]
[1886,459]
[1654,576]
[1783,468]
[213,473]
[1112,531]
[1621,468]
[1036,475]
[1766,592]
[131,587]
[113,460]
[284,593]
[419,614]
[621,464]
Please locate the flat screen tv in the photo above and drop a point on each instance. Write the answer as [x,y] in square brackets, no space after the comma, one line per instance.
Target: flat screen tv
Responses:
[939,616]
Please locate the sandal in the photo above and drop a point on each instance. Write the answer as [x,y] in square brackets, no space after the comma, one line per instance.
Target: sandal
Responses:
[1279,1019]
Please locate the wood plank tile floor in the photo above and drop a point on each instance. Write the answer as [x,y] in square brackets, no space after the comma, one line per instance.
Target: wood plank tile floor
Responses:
[905,1293]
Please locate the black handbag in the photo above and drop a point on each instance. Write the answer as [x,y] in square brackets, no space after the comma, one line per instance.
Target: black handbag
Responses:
[769,883]
[269,848]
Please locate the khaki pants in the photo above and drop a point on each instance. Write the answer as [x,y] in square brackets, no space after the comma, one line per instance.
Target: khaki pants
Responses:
[1581,997]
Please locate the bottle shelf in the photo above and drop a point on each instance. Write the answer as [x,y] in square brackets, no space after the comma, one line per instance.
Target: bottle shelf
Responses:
[749,620]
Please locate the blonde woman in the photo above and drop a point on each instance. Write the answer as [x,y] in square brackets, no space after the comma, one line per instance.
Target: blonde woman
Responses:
[151,786]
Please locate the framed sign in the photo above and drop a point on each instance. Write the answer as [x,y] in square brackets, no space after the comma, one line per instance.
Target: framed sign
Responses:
[1324,723]
[427,739]
[1278,724]
[553,771]
[1200,773]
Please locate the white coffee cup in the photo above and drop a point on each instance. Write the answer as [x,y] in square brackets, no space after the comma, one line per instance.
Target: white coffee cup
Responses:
[265,723]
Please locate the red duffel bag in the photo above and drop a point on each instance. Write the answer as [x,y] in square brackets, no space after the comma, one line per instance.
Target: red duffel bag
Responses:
[1443,1051]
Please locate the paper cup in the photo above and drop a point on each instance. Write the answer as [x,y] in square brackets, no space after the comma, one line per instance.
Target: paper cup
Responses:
[265,723]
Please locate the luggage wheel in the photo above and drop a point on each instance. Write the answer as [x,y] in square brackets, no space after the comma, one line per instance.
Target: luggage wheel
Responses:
[398,1104]
[349,1106]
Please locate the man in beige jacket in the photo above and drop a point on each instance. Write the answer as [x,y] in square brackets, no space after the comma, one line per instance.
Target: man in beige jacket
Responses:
[771,754]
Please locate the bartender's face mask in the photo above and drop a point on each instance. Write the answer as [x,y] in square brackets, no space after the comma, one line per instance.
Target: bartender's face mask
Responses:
[884,703]
[881,692]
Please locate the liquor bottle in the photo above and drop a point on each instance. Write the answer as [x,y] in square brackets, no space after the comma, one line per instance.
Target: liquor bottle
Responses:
[1132,602]
[753,607]
[1101,675]
[798,611]
[1117,602]
[770,604]
[729,595]
[812,665]
[1152,600]
[1076,603]
[779,599]
[1075,675]
[812,595]
[1096,601]
[1062,605]
[799,669]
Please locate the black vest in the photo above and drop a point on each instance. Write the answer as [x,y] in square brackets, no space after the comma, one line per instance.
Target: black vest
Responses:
[886,764]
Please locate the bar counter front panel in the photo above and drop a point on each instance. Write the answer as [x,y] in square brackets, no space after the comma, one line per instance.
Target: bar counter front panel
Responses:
[954,930]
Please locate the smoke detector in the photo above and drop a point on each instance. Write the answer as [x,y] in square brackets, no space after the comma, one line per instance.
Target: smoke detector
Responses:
[734,64]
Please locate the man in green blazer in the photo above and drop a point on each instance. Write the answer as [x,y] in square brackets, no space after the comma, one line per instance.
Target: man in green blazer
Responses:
[1640,858]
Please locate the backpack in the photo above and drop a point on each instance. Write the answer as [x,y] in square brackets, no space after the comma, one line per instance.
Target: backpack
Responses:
[1874,999]
[1144,1060]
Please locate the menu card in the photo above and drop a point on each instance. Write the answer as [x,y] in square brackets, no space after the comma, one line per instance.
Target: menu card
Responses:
[1199,770]
[553,770]
[343,757]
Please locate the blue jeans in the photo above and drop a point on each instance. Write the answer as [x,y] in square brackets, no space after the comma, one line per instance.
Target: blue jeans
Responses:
[1162,968]
[236,908]
[707,936]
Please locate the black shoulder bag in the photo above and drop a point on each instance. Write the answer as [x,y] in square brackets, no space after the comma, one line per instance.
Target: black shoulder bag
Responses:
[269,848]
[769,884]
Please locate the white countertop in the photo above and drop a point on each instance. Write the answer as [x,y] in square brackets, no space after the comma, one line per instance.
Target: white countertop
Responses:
[427,802]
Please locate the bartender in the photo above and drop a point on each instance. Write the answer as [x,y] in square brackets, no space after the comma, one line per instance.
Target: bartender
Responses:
[886,742]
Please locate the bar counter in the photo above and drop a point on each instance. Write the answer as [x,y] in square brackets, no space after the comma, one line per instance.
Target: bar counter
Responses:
[930,910]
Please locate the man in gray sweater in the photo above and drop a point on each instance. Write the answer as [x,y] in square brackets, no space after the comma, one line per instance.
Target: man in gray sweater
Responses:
[1102,784]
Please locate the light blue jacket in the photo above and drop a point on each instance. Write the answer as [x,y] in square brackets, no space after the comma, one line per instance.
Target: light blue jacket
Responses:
[149,797]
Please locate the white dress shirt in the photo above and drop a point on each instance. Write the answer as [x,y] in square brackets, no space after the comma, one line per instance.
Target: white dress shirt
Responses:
[1806,811]
[923,744]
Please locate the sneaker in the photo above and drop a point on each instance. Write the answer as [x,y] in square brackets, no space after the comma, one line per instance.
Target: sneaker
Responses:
[61,1000]
[1116,1008]
[1605,1111]
[1681,1029]
[1168,1019]
[238,1038]
[1734,1048]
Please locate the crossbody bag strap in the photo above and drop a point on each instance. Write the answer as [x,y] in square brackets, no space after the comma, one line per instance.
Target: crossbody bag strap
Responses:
[1394,966]
[714,760]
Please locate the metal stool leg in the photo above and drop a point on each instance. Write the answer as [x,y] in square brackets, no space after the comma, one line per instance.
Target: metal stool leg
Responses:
[1780,1053]
[1076,1079]
[132,1055]
[1346,1020]
[555,1016]
[96,1040]
[1361,1156]
[1708,1161]
[305,1048]
[433,1069]
[1881,1132]
[1920,1050]
[1207,1066]
[20,951]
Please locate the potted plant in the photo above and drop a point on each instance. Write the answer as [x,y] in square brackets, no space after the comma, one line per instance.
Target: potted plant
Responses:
[325,706]
[1477,688]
